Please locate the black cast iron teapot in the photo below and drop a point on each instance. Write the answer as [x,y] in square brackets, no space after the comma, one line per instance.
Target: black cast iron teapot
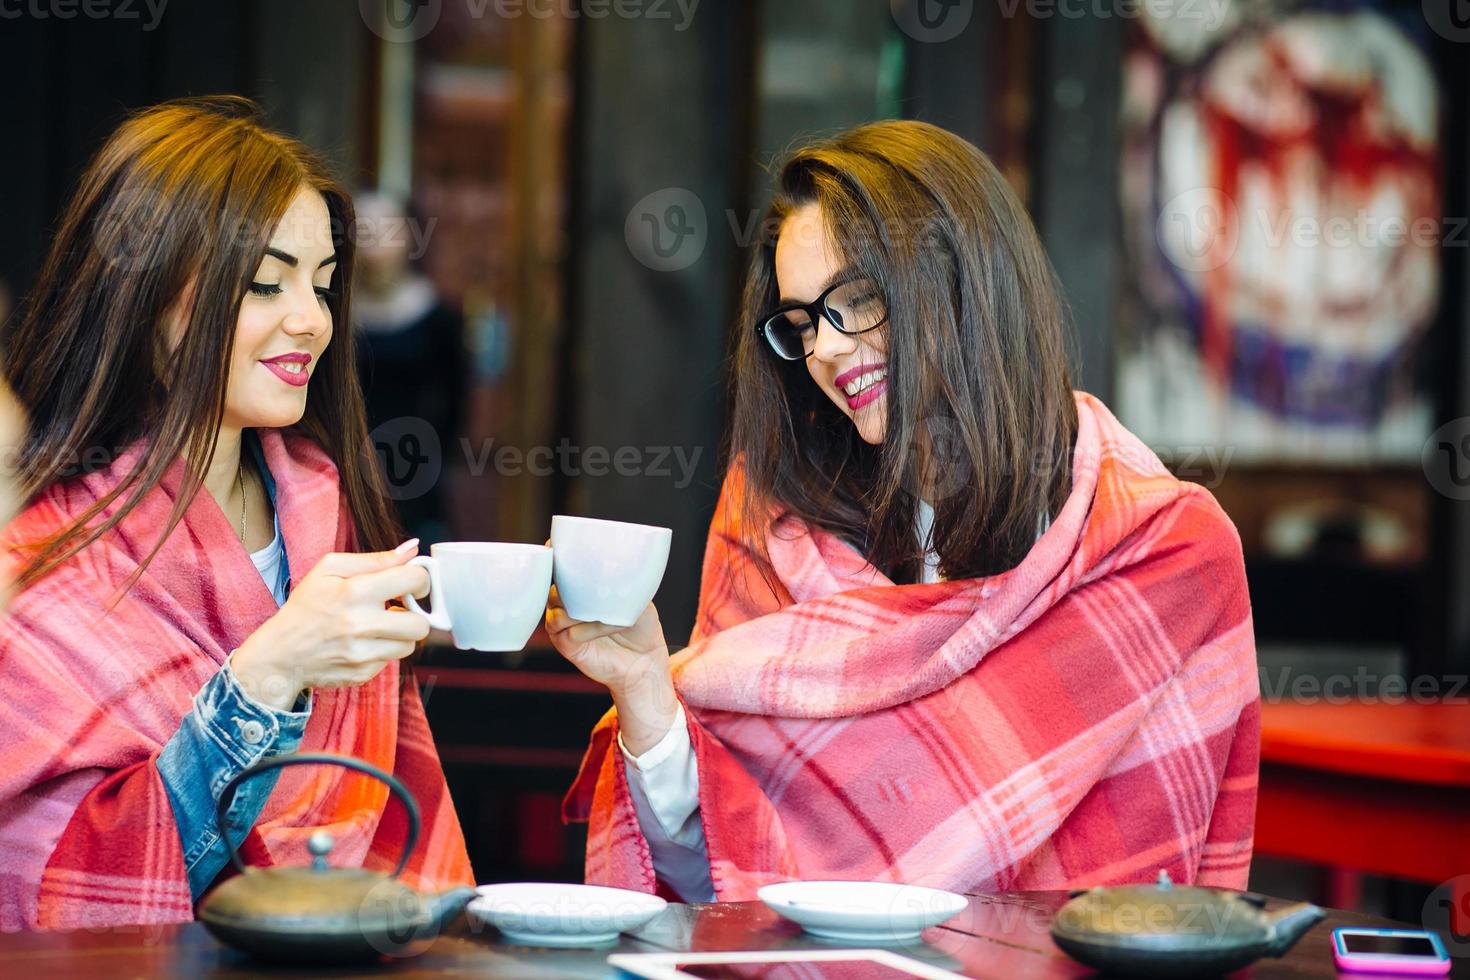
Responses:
[322,914]
[1167,931]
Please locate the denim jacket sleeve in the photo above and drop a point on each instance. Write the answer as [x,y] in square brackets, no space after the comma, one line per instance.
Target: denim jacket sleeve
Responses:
[224,733]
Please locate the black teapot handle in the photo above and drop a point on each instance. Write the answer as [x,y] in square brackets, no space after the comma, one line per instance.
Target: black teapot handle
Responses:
[410,808]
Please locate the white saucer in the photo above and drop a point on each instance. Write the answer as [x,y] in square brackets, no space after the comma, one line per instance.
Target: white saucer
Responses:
[549,914]
[862,911]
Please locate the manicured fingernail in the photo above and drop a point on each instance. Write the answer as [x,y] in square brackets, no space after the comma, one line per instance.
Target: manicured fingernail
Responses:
[408,547]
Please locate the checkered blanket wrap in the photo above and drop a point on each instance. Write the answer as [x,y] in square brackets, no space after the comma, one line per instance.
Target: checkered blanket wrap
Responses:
[1090,716]
[87,836]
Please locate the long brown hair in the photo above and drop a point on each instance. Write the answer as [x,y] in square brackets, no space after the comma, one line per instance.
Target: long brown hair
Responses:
[980,406]
[190,190]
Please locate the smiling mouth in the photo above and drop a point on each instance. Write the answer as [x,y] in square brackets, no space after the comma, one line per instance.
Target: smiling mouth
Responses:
[862,385]
[863,382]
[293,372]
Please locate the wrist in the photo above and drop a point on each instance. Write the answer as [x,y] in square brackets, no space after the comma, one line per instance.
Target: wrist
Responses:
[262,680]
[642,678]
[647,708]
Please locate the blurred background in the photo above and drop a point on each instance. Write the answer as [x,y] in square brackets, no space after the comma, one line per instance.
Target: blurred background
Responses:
[1258,211]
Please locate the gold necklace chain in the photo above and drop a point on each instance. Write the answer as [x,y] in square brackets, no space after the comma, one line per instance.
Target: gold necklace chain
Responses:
[240,473]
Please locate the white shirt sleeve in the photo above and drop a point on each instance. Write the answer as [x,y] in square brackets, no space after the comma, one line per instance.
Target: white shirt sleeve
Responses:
[664,782]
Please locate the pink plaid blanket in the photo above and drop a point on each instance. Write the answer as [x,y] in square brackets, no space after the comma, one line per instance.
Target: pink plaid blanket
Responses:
[91,696]
[1090,716]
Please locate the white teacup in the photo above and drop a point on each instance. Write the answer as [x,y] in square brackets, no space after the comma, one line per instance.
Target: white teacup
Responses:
[608,571]
[489,595]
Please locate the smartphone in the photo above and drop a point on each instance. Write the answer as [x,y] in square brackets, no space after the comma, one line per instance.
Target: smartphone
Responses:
[1402,951]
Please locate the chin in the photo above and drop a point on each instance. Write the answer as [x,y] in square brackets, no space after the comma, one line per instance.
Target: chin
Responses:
[269,417]
[281,420]
[872,422]
[869,430]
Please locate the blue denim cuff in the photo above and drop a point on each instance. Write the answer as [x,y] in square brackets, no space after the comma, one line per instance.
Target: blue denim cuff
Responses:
[224,734]
[230,712]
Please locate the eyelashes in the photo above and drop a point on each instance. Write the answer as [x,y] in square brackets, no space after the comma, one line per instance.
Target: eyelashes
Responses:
[268,290]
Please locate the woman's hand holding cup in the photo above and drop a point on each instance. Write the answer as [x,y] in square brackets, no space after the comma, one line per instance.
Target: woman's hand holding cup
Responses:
[335,629]
[601,617]
[631,661]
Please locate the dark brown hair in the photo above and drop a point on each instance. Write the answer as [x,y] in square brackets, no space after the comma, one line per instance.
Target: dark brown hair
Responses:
[188,191]
[979,392]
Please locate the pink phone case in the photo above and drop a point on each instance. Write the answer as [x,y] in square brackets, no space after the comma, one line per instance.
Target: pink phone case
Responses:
[1412,966]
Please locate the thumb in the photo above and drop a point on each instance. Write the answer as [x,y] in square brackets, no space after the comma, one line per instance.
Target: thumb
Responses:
[347,564]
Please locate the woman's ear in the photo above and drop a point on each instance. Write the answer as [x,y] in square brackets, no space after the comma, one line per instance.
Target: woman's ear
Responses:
[171,329]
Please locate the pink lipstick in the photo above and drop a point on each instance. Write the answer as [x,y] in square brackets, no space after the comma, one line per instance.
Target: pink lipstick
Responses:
[290,368]
[872,389]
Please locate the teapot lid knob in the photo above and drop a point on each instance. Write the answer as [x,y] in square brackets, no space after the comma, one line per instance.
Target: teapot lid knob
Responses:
[320,845]
[1165,882]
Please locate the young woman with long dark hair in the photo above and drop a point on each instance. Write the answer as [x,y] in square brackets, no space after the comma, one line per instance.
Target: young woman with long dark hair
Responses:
[207,557]
[957,626]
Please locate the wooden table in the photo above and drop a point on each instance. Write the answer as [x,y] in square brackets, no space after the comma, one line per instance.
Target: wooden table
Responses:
[1003,936]
[1367,787]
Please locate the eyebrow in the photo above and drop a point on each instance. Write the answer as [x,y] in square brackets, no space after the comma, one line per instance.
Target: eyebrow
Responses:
[293,262]
[846,272]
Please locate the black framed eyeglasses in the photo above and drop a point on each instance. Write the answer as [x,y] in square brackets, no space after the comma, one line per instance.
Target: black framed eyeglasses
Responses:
[853,306]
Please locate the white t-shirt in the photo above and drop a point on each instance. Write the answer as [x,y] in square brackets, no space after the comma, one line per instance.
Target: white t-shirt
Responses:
[930,571]
[270,562]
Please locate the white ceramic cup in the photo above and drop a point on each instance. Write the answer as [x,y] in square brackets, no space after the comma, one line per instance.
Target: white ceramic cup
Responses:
[607,571]
[488,594]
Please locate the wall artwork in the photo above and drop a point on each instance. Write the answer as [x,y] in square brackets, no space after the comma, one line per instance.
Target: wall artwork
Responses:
[1281,196]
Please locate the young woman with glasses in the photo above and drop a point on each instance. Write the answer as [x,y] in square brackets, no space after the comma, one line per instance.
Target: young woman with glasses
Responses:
[957,626]
[207,555]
